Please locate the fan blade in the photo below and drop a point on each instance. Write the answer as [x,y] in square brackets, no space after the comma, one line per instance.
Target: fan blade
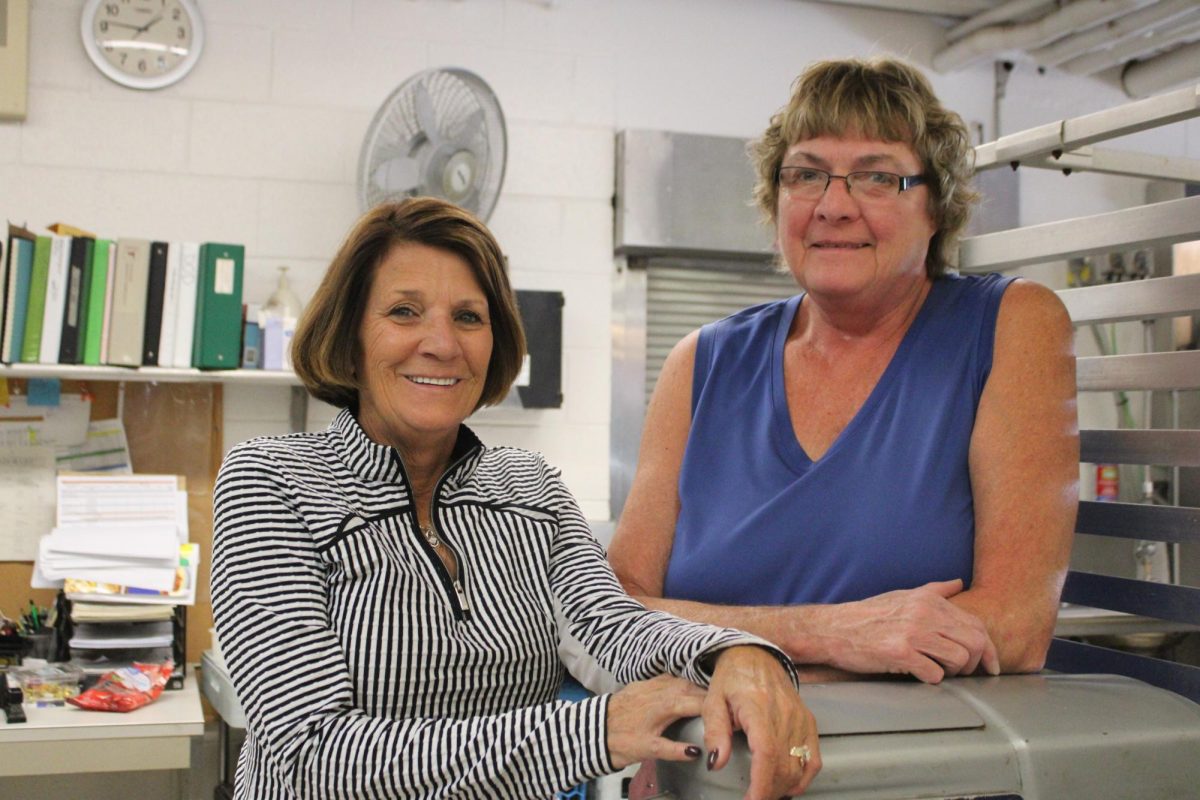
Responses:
[426,116]
[397,175]
[469,132]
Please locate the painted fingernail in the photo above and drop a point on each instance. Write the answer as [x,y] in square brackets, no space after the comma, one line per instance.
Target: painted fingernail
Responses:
[691,751]
[712,759]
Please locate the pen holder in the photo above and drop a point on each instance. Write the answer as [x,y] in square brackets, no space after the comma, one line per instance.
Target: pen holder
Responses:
[12,648]
[43,644]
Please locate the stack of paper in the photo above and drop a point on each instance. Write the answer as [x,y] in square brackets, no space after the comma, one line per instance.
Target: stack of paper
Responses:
[121,635]
[136,554]
[119,612]
[120,538]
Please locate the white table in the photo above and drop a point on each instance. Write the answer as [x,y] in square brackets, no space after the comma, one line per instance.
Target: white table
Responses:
[66,739]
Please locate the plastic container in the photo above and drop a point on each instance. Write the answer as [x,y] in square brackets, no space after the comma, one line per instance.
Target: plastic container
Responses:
[47,684]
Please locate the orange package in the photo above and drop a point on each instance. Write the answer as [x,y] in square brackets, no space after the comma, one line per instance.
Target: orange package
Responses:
[126,689]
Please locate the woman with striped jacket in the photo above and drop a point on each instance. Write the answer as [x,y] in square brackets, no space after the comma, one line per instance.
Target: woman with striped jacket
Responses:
[386,591]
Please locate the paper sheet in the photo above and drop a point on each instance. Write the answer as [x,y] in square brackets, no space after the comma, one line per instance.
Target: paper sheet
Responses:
[106,499]
[63,425]
[27,497]
[104,450]
[182,593]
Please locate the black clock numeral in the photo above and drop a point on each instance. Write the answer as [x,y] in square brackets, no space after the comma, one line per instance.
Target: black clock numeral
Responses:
[141,65]
[176,13]
[182,33]
[112,9]
[104,26]
[124,57]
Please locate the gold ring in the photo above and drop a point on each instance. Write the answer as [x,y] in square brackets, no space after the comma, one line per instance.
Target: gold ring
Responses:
[801,752]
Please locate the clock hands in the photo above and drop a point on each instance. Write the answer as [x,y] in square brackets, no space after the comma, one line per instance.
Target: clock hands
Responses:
[137,29]
[147,26]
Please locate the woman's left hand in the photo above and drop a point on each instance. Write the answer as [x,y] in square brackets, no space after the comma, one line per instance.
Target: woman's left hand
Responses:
[751,691]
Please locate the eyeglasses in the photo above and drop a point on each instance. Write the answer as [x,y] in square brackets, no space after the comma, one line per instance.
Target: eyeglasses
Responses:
[809,183]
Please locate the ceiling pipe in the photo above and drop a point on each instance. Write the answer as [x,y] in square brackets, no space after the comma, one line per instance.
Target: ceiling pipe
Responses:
[1115,32]
[1144,78]
[947,8]
[1145,45]
[1006,12]
[989,42]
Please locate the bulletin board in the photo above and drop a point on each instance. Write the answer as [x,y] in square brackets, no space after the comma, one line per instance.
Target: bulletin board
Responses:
[172,428]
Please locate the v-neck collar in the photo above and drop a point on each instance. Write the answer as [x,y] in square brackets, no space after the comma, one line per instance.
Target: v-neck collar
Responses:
[790,449]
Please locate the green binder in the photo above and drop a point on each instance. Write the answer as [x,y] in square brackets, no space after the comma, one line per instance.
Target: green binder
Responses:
[31,347]
[96,293]
[217,343]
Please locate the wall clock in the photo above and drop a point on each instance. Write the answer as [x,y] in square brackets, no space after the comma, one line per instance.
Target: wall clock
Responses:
[143,44]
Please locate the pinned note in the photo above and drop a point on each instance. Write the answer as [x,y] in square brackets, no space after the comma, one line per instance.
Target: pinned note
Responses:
[45,392]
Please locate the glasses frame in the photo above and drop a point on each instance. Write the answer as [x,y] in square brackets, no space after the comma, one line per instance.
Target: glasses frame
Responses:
[905,182]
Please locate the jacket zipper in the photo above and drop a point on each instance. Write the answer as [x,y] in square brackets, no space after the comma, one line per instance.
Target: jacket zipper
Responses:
[456,592]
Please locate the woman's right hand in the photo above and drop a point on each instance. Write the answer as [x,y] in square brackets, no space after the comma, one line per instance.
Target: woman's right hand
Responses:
[915,631]
[640,712]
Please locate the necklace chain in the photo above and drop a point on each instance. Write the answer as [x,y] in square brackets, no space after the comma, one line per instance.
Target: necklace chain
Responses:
[430,536]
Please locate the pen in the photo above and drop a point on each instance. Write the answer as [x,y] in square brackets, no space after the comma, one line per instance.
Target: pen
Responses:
[33,614]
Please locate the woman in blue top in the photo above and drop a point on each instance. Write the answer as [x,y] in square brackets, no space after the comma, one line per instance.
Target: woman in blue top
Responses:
[879,474]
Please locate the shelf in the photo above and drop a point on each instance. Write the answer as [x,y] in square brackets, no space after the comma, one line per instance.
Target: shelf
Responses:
[150,374]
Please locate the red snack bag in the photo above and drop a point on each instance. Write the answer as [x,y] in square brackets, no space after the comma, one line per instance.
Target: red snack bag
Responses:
[126,689]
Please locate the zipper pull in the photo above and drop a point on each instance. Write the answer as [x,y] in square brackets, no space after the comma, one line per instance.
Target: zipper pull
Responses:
[462,600]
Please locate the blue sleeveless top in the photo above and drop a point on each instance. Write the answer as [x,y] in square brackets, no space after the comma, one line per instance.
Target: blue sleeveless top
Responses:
[888,506]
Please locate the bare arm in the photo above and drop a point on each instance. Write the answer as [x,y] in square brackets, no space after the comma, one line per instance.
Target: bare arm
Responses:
[912,631]
[1025,477]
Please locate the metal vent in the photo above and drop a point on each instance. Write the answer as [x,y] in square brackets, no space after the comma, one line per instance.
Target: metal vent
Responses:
[680,300]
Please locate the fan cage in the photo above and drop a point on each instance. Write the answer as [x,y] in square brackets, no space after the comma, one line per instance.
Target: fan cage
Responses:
[457,97]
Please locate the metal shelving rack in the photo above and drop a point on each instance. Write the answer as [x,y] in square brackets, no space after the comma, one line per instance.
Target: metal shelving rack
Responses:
[1067,145]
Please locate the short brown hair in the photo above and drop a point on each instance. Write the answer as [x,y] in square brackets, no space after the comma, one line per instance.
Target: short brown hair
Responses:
[884,99]
[325,347]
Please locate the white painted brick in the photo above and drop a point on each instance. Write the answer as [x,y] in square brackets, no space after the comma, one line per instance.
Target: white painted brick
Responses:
[530,85]
[587,311]
[320,415]
[10,143]
[569,26]
[435,20]
[594,92]
[529,230]
[316,15]
[38,195]
[588,236]
[177,207]
[235,64]
[236,431]
[342,68]
[56,55]
[305,219]
[262,276]
[74,129]
[587,376]
[246,404]
[560,161]
[263,141]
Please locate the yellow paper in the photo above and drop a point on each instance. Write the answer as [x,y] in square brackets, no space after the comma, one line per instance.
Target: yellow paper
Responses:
[63,229]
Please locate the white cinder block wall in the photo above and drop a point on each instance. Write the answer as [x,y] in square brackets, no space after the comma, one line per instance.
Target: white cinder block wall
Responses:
[259,144]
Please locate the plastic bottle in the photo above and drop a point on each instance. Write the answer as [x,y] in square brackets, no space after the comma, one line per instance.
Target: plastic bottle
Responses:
[278,320]
[1108,482]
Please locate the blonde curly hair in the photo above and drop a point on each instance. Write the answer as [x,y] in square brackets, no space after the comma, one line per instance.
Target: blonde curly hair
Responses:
[885,99]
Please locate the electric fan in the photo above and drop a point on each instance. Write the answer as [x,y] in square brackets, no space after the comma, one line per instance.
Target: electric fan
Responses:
[440,133]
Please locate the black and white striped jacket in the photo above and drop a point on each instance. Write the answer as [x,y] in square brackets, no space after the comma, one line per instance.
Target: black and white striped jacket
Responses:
[364,671]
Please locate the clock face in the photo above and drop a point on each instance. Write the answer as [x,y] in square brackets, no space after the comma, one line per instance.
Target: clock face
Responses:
[143,44]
